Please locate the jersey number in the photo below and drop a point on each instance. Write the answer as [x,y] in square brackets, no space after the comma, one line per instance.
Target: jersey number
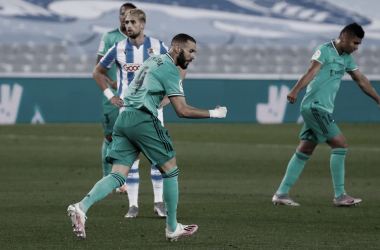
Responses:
[106,119]
[140,79]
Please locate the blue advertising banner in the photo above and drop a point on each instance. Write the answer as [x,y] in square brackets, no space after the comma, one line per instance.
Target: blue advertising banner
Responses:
[67,100]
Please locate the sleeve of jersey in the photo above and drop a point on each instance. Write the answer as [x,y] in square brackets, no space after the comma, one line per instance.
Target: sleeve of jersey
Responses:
[163,48]
[109,59]
[104,45]
[351,65]
[320,54]
[173,84]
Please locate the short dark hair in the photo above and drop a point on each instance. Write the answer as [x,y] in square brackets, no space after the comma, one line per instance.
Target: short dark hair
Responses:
[130,5]
[181,39]
[353,29]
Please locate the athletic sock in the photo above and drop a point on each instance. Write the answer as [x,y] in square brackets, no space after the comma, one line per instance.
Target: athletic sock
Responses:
[293,171]
[133,181]
[170,192]
[106,166]
[337,169]
[102,188]
[157,183]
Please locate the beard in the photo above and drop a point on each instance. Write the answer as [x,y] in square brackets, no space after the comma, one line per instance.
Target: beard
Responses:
[134,35]
[181,60]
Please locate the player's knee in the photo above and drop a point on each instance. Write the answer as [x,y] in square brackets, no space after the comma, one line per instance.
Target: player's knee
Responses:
[108,137]
[338,142]
[305,150]
[344,144]
[341,145]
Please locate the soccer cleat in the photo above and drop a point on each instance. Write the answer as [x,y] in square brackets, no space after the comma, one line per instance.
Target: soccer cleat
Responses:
[132,213]
[283,199]
[78,219]
[122,189]
[344,200]
[159,209]
[181,231]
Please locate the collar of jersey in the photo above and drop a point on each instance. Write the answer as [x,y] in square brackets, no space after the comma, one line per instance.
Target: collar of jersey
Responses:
[121,32]
[332,42]
[131,44]
[170,57]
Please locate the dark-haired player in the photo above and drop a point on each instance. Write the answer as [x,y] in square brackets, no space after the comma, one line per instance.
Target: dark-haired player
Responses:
[328,64]
[137,129]
[127,48]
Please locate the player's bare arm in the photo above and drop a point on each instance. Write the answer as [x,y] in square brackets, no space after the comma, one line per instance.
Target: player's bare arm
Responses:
[98,75]
[304,81]
[365,85]
[185,111]
[108,79]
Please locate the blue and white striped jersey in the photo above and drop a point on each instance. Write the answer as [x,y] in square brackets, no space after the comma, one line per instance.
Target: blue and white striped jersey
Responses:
[128,58]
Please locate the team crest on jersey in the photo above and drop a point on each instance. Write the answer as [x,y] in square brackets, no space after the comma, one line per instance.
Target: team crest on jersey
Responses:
[180,85]
[131,67]
[125,52]
[151,52]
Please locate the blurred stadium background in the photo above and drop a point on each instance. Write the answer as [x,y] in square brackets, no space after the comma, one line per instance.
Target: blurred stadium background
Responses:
[250,54]
[237,39]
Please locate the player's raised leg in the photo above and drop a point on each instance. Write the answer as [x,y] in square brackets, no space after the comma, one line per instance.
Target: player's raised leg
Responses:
[102,188]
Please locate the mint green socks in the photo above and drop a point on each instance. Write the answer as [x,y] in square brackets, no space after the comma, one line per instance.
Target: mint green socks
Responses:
[293,171]
[106,166]
[337,169]
[170,193]
[102,188]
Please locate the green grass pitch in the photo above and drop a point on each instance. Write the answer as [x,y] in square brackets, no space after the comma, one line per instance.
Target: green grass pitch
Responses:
[228,174]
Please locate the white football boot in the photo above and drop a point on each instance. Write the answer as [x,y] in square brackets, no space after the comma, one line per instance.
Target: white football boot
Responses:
[78,220]
[181,231]
[283,199]
[344,200]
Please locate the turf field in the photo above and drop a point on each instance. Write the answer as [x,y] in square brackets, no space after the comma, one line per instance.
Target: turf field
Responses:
[228,174]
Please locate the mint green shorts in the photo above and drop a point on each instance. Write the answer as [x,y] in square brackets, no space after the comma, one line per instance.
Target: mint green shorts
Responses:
[319,126]
[109,115]
[138,131]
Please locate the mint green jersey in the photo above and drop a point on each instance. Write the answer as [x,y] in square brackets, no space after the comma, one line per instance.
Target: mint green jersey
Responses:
[323,88]
[156,77]
[108,40]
